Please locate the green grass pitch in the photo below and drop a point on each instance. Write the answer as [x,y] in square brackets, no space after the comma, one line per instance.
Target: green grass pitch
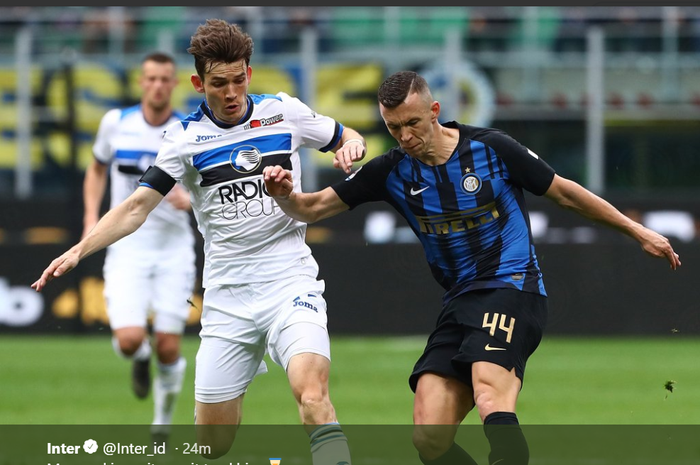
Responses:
[605,380]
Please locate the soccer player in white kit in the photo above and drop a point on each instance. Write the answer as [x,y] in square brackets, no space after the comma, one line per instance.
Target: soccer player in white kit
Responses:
[261,288]
[152,271]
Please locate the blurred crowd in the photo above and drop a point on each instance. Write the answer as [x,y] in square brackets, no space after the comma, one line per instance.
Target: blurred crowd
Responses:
[496,28]
[540,95]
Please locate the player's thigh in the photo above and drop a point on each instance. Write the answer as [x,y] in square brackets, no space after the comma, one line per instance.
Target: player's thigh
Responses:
[495,388]
[300,327]
[440,405]
[225,368]
[127,291]
[228,412]
[308,376]
[504,327]
[231,350]
[441,400]
[442,347]
[173,286]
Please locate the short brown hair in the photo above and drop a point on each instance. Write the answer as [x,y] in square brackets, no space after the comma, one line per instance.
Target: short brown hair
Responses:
[218,41]
[397,87]
[158,57]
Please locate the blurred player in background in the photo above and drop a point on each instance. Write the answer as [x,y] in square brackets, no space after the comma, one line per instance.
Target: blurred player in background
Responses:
[260,278]
[151,272]
[461,190]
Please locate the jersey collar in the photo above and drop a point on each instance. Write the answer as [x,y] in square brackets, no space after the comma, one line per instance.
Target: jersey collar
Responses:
[207,111]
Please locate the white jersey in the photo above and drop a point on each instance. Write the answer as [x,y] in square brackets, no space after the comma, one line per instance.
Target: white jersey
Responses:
[247,237]
[127,142]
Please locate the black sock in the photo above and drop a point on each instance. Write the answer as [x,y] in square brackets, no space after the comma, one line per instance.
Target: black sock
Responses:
[455,455]
[508,444]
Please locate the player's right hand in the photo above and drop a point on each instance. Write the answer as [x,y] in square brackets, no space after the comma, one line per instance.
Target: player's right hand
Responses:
[278,181]
[58,267]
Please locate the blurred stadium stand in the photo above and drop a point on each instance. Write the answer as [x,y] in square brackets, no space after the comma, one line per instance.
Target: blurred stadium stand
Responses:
[521,69]
[534,59]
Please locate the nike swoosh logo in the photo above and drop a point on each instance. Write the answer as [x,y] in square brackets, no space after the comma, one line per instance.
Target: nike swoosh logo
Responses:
[488,347]
[416,192]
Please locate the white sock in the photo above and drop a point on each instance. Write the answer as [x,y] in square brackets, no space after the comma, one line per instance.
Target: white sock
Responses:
[166,387]
[329,446]
[142,353]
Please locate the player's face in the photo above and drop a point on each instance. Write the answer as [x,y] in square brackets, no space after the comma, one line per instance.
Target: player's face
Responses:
[225,87]
[411,124]
[157,83]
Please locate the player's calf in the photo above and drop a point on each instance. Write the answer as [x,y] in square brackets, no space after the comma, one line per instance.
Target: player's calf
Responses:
[141,377]
[216,425]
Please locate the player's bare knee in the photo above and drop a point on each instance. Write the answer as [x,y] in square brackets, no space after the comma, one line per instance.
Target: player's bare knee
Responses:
[128,345]
[313,403]
[168,350]
[431,441]
[315,407]
[486,400]
[497,393]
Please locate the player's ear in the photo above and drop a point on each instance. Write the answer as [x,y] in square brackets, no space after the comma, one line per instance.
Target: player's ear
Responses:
[197,83]
[434,111]
[249,73]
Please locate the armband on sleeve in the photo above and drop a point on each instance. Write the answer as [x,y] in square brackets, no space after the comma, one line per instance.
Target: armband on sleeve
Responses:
[157,179]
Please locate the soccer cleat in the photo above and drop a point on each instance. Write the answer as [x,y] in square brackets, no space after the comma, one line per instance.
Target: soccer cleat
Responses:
[141,377]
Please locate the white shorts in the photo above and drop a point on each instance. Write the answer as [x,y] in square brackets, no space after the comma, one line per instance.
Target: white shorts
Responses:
[158,284]
[241,323]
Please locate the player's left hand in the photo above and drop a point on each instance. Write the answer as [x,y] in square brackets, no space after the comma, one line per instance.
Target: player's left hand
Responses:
[659,246]
[352,150]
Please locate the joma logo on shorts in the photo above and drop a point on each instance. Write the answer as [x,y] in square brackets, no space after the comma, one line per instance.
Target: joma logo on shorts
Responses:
[300,303]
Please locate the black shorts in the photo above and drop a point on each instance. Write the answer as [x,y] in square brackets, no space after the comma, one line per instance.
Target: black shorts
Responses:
[501,326]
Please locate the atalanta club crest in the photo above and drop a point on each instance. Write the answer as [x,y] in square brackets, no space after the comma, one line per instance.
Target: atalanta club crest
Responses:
[471,183]
[245,159]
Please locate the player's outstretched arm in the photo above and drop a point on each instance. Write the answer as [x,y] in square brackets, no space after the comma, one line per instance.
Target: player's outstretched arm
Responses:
[570,195]
[119,222]
[350,148]
[307,207]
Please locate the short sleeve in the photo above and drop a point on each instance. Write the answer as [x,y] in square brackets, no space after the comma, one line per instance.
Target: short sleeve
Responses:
[102,148]
[525,168]
[317,131]
[169,158]
[366,184]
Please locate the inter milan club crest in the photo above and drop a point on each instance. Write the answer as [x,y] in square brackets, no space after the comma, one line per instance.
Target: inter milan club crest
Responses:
[245,159]
[471,183]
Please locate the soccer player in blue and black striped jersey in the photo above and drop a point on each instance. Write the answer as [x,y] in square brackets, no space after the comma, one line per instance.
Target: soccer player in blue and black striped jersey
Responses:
[460,188]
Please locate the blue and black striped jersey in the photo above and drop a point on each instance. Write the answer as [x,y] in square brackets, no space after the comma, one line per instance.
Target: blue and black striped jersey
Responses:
[469,213]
